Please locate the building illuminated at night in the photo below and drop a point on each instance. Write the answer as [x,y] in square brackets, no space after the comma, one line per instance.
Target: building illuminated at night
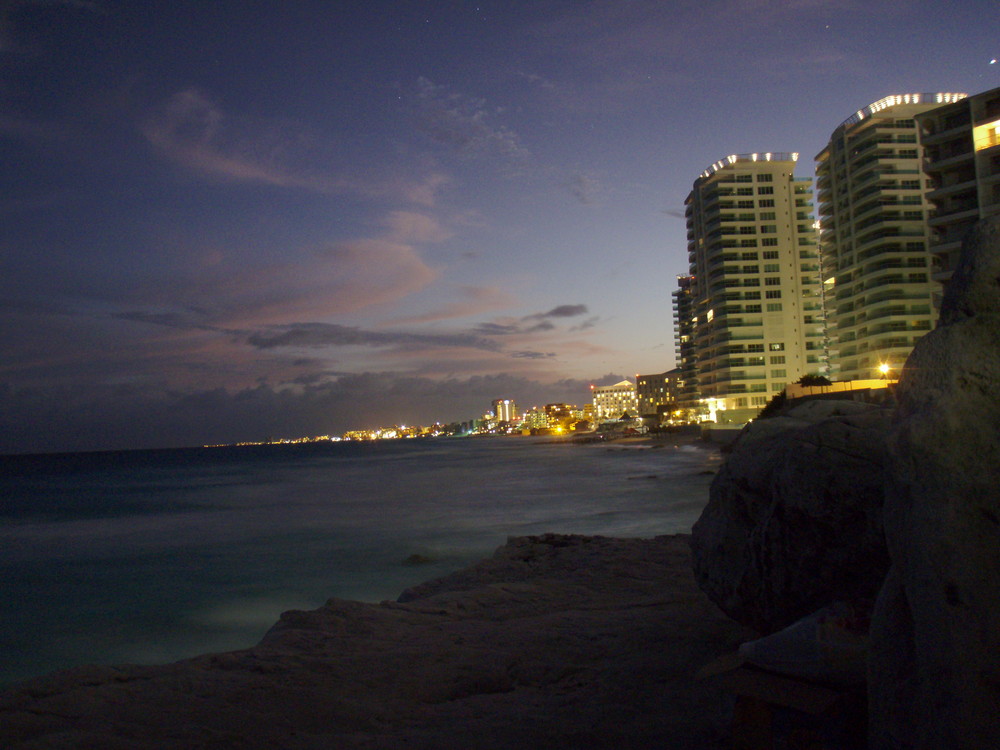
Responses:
[961,142]
[613,401]
[504,410]
[654,392]
[755,307]
[875,239]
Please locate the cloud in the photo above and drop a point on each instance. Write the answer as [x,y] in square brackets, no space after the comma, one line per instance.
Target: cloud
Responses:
[331,279]
[562,311]
[584,188]
[415,227]
[536,80]
[475,300]
[532,355]
[535,323]
[313,335]
[465,123]
[192,130]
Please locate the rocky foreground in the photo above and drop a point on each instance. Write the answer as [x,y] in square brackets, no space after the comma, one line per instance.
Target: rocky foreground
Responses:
[556,642]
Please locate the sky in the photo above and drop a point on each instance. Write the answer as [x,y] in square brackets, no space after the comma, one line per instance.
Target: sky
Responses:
[251,219]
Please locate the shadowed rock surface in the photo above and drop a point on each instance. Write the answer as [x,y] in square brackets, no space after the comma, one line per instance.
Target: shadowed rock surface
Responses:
[556,642]
[934,671]
[794,519]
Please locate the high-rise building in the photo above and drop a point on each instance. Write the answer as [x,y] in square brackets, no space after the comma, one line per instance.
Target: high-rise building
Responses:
[874,239]
[504,410]
[961,142]
[755,288]
[687,386]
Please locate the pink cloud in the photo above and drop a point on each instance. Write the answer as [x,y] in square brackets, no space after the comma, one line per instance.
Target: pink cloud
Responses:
[475,300]
[411,226]
[192,130]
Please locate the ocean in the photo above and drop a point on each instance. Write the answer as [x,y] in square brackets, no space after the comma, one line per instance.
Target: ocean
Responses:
[152,556]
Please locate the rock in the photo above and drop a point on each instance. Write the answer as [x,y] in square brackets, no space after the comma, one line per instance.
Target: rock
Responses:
[556,642]
[794,519]
[934,673]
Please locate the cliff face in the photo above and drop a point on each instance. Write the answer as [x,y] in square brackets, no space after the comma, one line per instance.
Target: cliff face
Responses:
[556,641]
[794,518]
[813,507]
[935,667]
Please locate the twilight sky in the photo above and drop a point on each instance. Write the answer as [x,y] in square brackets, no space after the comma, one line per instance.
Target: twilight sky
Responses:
[241,219]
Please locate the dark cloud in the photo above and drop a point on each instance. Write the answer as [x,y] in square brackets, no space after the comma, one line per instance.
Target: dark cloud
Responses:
[313,335]
[584,188]
[536,323]
[563,311]
[498,329]
[532,355]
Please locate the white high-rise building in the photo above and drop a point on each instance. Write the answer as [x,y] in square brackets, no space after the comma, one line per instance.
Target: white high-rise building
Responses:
[755,301]
[875,238]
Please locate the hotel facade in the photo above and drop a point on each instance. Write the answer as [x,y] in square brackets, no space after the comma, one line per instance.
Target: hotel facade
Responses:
[751,308]
[875,239]
[961,149]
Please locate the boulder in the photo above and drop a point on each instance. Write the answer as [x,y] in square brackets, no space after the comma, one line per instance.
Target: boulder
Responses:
[934,670]
[794,518]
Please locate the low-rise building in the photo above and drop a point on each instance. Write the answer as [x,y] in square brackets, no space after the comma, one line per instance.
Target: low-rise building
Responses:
[655,393]
[612,401]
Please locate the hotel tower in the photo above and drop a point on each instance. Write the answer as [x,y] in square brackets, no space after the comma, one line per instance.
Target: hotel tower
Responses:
[875,239]
[755,308]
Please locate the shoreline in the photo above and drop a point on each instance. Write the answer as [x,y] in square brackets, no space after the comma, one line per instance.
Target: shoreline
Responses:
[555,640]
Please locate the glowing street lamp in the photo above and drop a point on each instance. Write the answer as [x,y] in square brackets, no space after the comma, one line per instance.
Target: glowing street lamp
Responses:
[884,370]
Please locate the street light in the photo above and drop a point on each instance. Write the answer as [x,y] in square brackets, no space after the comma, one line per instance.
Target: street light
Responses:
[884,369]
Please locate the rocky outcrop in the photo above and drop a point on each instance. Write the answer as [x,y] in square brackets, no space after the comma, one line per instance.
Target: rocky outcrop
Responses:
[556,642]
[934,679]
[794,518]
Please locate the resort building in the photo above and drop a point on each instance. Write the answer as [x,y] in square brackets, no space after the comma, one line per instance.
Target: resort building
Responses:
[961,144]
[504,410]
[657,393]
[613,401]
[756,306]
[683,304]
[874,239]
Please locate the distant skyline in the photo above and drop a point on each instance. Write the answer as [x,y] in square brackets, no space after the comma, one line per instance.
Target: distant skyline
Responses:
[228,221]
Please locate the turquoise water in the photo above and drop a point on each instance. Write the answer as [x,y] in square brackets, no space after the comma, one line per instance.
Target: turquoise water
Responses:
[152,556]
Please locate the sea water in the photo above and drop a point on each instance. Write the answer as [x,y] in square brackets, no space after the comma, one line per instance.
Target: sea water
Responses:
[152,556]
